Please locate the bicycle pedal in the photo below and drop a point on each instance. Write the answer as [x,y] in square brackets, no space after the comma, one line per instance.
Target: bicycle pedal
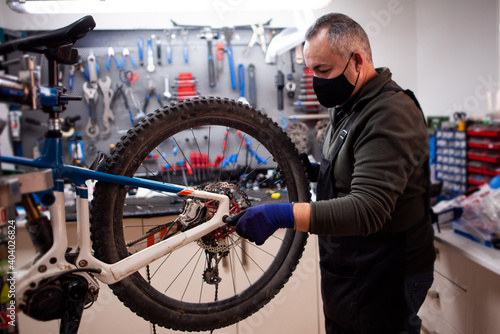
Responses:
[100,157]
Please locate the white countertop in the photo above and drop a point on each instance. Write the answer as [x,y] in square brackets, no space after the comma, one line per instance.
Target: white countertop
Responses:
[482,255]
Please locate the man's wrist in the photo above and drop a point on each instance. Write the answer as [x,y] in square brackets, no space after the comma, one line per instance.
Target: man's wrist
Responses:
[302,216]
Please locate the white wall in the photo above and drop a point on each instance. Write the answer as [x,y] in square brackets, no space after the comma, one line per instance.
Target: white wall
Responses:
[458,58]
[446,51]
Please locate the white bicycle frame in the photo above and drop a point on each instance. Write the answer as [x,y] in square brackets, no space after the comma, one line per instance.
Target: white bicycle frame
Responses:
[53,262]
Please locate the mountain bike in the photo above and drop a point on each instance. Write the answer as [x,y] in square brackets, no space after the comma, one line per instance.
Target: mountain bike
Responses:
[188,270]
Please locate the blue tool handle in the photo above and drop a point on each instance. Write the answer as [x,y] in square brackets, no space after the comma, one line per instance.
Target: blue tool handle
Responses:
[107,63]
[70,84]
[131,116]
[117,62]
[241,79]
[186,54]
[229,49]
[86,76]
[211,66]
[140,46]
[132,61]
[169,54]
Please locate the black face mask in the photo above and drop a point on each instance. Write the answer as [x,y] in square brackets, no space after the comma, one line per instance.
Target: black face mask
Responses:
[335,91]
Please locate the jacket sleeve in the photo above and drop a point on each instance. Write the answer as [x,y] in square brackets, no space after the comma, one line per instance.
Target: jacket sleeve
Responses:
[389,147]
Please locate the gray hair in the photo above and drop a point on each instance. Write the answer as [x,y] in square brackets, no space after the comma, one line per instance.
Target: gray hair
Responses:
[345,35]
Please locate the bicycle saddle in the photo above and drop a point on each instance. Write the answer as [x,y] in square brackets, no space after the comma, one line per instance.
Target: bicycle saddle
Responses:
[53,39]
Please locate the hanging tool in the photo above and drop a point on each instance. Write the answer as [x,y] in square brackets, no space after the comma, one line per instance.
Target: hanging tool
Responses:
[91,97]
[252,86]
[79,67]
[185,35]
[76,150]
[280,84]
[157,40]
[208,34]
[15,116]
[111,54]
[126,55]
[170,36]
[299,54]
[290,87]
[140,47]
[241,81]
[60,75]
[107,96]
[228,35]
[151,91]
[151,60]
[257,37]
[185,86]
[120,91]
[166,93]
[71,75]
[128,78]
[219,57]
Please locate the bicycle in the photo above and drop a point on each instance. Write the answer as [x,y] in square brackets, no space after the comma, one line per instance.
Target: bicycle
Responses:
[192,252]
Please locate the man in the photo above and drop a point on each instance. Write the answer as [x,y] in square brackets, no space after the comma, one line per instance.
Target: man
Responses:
[372,210]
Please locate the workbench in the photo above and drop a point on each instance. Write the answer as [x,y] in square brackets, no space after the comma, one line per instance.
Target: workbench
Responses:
[465,295]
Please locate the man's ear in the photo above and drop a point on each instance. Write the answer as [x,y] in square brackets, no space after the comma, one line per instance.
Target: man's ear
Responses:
[359,60]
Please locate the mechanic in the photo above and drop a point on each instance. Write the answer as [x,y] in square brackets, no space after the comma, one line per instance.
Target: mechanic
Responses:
[372,209]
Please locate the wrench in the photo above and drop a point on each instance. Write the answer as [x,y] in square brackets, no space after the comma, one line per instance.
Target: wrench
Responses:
[107,94]
[90,94]
[151,61]
[167,93]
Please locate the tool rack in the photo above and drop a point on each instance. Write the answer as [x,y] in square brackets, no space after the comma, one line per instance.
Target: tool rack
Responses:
[184,54]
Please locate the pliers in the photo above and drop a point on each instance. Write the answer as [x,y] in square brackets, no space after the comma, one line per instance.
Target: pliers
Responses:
[151,92]
[126,54]
[111,54]
[119,91]
[257,37]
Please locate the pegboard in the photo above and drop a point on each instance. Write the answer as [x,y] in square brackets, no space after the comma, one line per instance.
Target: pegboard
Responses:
[98,42]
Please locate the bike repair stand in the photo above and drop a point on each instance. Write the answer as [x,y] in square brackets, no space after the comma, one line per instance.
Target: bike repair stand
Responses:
[76,289]
[69,301]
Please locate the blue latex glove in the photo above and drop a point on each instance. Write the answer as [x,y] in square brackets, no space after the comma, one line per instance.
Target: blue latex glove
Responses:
[258,223]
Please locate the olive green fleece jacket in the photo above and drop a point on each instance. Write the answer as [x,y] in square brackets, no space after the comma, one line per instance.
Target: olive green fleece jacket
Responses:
[379,175]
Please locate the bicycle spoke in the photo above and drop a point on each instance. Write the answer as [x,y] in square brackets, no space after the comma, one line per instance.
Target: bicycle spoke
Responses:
[190,277]
[243,267]
[180,272]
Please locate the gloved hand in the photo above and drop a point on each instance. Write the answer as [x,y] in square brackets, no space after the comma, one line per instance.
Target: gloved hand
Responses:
[312,168]
[258,223]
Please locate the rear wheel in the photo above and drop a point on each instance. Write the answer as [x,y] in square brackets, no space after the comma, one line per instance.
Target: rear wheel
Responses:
[219,279]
